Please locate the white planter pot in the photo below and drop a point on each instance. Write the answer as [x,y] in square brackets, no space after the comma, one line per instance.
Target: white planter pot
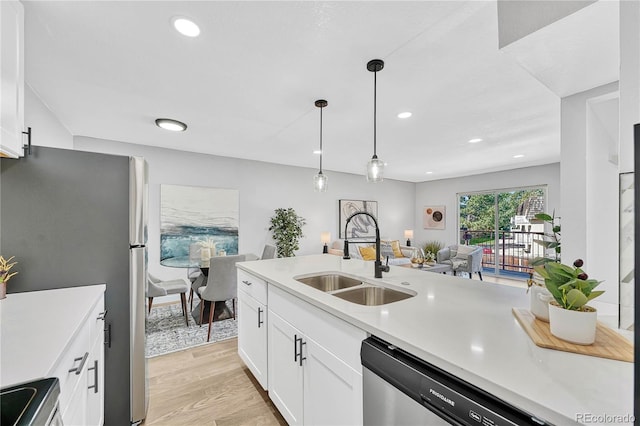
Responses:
[539,302]
[573,326]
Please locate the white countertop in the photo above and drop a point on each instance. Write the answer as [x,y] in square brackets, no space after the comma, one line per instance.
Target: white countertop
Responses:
[467,328]
[37,326]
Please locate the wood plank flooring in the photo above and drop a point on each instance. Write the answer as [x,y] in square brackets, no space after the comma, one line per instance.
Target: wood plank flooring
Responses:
[207,385]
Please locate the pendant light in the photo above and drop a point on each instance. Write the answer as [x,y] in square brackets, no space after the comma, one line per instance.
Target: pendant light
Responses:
[320,180]
[375,166]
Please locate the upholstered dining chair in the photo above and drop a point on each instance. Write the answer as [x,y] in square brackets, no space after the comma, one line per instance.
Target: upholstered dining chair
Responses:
[269,252]
[158,288]
[222,285]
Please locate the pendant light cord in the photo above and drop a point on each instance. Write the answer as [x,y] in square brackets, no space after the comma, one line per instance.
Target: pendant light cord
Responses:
[321,139]
[375,74]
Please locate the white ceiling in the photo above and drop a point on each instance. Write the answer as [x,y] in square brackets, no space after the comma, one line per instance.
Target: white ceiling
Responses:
[246,87]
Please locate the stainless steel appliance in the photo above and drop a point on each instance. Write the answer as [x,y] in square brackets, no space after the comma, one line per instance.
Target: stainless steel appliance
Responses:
[401,389]
[75,218]
[31,403]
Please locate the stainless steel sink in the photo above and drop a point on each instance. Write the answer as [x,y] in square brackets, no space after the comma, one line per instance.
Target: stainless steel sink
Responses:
[329,282]
[33,403]
[372,296]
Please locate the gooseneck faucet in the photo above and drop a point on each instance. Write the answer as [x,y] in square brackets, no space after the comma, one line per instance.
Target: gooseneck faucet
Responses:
[377,264]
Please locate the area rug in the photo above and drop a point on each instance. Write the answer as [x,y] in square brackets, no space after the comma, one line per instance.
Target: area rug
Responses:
[167,331]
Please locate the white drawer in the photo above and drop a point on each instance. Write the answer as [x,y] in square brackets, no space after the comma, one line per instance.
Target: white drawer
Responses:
[76,358]
[252,285]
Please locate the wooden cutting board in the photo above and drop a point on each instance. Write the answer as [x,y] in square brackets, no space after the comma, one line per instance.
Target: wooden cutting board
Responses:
[608,344]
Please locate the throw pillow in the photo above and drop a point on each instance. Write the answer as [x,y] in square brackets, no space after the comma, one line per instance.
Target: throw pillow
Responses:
[463,251]
[386,249]
[368,253]
[395,244]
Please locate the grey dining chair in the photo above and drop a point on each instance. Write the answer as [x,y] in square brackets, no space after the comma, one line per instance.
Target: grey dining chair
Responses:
[269,252]
[158,288]
[222,285]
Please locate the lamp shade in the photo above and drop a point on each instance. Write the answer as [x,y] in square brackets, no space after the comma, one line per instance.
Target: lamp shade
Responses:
[320,182]
[325,237]
[408,233]
[375,170]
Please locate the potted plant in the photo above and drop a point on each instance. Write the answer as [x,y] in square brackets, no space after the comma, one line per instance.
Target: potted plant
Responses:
[5,267]
[287,231]
[570,318]
[540,296]
[431,249]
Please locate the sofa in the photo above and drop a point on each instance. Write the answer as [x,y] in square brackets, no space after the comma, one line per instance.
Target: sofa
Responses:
[462,259]
[398,254]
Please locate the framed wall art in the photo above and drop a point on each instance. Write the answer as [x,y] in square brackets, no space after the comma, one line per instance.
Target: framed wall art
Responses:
[361,225]
[433,217]
[192,214]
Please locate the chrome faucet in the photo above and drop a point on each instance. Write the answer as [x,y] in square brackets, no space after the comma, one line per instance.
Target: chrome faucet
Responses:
[377,264]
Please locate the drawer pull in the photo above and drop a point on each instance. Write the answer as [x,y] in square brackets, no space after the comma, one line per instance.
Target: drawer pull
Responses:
[82,360]
[246,282]
[107,335]
[94,386]
[102,315]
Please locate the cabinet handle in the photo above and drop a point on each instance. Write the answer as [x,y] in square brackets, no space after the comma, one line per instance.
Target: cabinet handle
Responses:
[102,315]
[302,358]
[107,335]
[82,360]
[246,282]
[295,348]
[94,386]
[27,148]
[260,322]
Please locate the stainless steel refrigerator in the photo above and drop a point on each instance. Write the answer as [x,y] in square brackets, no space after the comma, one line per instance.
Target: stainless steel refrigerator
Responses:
[74,218]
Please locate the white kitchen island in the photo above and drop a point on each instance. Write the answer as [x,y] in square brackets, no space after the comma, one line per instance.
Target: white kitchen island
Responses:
[466,327]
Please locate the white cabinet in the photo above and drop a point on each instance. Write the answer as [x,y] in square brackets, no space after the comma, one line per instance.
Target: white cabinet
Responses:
[81,372]
[11,78]
[252,325]
[315,376]
[286,369]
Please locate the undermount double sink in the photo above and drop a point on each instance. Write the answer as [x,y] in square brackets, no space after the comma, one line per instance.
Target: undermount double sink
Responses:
[353,289]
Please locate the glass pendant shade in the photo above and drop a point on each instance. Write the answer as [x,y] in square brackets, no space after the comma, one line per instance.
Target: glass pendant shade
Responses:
[375,170]
[320,182]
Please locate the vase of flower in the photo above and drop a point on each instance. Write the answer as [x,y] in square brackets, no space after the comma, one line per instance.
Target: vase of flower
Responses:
[5,275]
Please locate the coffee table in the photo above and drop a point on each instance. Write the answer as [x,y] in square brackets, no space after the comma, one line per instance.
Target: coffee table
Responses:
[438,267]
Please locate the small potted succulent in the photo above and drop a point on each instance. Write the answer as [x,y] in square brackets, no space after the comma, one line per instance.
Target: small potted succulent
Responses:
[569,316]
[5,275]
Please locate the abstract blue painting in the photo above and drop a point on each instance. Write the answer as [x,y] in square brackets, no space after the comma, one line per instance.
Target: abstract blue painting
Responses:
[192,214]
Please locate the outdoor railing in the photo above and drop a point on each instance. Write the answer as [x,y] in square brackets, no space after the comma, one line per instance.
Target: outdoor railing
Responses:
[515,250]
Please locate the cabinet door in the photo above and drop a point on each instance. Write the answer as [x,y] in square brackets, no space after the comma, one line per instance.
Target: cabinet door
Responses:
[95,386]
[252,336]
[11,78]
[332,389]
[285,372]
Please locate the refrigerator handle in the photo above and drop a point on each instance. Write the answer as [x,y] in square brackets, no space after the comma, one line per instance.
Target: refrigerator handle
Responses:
[107,335]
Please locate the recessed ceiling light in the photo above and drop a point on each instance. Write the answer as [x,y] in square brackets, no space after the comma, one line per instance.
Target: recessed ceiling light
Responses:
[317,152]
[169,124]
[476,140]
[518,156]
[429,173]
[404,115]
[186,27]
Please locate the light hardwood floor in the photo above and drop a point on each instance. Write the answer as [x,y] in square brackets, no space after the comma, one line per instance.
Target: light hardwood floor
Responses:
[207,385]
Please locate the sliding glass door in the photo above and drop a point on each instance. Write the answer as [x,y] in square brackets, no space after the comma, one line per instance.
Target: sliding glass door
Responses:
[502,222]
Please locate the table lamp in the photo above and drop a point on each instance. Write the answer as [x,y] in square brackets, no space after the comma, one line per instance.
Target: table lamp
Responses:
[325,238]
[408,234]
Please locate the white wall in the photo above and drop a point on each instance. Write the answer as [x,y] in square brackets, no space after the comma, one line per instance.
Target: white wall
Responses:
[45,127]
[602,199]
[573,175]
[263,188]
[444,192]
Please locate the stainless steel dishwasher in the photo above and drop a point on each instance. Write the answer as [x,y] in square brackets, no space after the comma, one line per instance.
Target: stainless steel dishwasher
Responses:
[401,389]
